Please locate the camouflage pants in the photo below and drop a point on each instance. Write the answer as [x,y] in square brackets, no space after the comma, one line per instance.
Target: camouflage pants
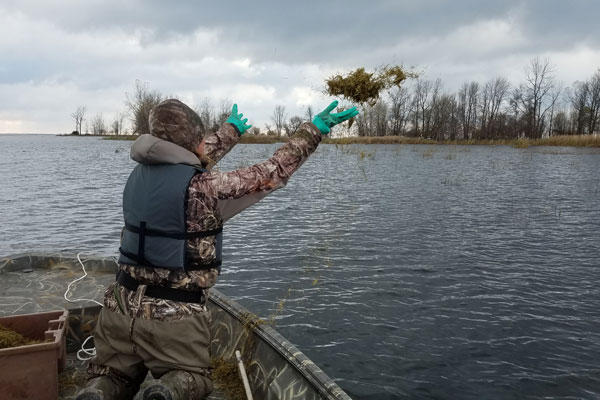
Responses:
[126,348]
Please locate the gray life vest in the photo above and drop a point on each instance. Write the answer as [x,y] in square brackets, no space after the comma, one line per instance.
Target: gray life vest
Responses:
[155,233]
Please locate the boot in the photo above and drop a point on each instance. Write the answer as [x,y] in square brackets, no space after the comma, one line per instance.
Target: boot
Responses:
[178,385]
[90,394]
[105,388]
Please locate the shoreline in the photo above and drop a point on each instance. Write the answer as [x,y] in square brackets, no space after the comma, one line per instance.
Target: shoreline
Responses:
[563,141]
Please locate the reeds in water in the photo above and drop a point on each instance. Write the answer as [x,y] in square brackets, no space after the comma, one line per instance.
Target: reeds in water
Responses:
[566,140]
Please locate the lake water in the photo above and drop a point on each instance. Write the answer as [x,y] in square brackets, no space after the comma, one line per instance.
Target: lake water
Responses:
[425,272]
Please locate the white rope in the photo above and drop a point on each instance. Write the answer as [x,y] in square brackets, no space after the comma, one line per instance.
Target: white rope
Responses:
[77,280]
[91,352]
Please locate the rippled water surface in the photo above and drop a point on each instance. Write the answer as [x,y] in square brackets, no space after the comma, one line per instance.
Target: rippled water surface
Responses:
[403,271]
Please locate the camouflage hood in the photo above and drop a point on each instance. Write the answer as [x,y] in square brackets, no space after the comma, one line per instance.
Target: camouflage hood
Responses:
[148,149]
[175,122]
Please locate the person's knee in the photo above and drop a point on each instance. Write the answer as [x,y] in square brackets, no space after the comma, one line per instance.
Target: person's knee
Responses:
[198,386]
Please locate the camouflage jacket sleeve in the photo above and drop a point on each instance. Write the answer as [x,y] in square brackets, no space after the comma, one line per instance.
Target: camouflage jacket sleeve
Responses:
[237,190]
[219,143]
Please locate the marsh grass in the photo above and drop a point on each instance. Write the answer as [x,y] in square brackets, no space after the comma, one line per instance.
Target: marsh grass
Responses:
[118,137]
[566,141]
[378,140]
[364,173]
[364,154]
[569,141]
[451,156]
[280,307]
[521,144]
[262,139]
[450,182]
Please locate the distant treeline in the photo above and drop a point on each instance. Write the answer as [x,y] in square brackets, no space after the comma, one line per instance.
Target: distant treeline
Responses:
[412,107]
[538,107]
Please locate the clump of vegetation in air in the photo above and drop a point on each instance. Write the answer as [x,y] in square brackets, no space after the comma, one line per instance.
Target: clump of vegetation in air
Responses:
[362,87]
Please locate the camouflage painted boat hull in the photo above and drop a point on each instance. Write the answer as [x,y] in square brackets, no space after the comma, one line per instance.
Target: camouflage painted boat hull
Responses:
[276,369]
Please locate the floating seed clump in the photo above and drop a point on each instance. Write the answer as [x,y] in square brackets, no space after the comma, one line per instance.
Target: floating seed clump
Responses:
[362,87]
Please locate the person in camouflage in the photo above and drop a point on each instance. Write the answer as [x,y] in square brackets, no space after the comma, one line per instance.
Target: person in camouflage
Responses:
[137,332]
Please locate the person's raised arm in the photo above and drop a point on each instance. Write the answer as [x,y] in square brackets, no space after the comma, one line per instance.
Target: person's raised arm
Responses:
[241,188]
[219,143]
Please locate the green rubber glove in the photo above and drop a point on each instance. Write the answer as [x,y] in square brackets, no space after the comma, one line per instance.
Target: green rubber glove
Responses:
[236,119]
[325,120]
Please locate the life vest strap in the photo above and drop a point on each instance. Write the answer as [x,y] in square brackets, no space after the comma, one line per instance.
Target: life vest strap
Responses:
[145,263]
[162,292]
[142,230]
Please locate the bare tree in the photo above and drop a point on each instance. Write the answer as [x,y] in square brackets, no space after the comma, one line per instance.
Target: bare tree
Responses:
[309,113]
[269,130]
[373,119]
[380,118]
[293,125]
[98,125]
[78,117]
[363,121]
[554,95]
[114,127]
[444,117]
[561,122]
[139,104]
[579,100]
[117,124]
[399,110]
[493,96]
[206,111]
[539,82]
[517,112]
[421,101]
[278,118]
[468,99]
[223,114]
[594,103]
[426,94]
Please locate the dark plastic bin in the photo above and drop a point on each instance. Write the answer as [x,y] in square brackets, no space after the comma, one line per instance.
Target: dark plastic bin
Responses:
[31,372]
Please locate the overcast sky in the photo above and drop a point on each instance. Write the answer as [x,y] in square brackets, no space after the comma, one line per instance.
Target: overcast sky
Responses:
[58,55]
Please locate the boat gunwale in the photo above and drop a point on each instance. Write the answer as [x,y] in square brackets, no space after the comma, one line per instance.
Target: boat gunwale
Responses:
[307,368]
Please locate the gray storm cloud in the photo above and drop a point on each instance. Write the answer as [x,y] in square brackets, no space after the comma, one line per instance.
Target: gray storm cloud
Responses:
[92,52]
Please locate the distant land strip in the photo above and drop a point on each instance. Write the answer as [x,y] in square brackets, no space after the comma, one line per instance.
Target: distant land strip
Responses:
[559,140]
